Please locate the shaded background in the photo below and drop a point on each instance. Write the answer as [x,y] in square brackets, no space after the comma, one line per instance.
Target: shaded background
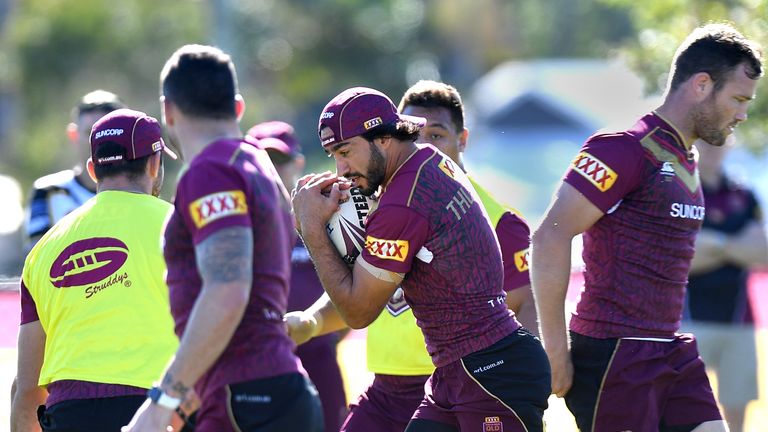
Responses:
[537,77]
[535,74]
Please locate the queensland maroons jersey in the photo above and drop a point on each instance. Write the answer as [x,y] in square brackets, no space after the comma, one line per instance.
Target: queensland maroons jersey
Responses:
[637,256]
[233,184]
[95,282]
[430,226]
[395,343]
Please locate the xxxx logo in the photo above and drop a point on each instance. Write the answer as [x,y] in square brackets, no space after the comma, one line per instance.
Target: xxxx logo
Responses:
[448,168]
[594,170]
[88,261]
[216,206]
[387,249]
[521,259]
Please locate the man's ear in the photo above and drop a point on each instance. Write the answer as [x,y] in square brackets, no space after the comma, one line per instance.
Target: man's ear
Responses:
[239,106]
[167,111]
[72,132]
[300,162]
[153,165]
[701,85]
[463,140]
[91,170]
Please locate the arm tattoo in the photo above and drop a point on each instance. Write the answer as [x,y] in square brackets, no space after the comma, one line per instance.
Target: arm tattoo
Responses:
[177,387]
[226,255]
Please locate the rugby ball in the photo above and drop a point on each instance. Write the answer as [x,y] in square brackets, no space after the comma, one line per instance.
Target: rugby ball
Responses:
[346,227]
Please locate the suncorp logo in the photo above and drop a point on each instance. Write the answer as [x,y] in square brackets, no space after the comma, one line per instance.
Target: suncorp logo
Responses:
[326,115]
[88,261]
[108,132]
[687,211]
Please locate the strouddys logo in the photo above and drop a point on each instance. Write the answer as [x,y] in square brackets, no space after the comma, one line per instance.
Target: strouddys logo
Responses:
[88,261]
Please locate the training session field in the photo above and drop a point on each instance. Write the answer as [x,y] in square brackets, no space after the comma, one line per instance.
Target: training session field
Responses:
[352,359]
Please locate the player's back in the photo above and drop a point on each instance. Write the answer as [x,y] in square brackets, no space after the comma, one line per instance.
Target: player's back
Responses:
[97,281]
[233,184]
[454,285]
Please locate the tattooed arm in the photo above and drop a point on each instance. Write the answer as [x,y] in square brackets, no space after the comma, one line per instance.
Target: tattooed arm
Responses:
[224,261]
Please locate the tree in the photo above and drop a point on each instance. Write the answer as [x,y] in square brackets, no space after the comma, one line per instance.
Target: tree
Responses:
[665,23]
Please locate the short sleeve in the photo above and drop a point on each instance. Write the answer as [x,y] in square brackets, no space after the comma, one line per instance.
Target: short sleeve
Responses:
[211,197]
[606,169]
[38,217]
[394,236]
[514,239]
[28,306]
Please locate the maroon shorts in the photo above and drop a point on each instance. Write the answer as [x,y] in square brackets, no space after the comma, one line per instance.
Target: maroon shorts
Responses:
[387,405]
[639,385]
[277,404]
[504,387]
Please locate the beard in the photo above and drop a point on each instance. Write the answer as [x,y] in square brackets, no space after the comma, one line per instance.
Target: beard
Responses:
[705,123]
[375,172]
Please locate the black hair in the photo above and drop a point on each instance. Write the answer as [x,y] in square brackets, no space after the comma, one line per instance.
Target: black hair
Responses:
[433,94]
[132,168]
[716,49]
[402,130]
[201,81]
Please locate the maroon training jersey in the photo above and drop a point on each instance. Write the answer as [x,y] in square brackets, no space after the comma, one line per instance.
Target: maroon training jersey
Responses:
[232,183]
[430,226]
[638,254]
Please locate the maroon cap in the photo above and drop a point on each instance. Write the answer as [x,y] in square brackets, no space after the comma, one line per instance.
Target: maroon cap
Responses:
[276,135]
[137,133]
[354,112]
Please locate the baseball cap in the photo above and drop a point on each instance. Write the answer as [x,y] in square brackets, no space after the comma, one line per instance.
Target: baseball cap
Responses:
[355,111]
[137,133]
[276,135]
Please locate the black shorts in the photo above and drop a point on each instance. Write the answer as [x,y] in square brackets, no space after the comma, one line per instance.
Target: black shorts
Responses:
[87,415]
[284,403]
[629,384]
[502,387]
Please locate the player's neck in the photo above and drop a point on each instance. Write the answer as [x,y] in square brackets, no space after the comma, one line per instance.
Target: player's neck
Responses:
[195,135]
[673,112]
[401,153]
[122,183]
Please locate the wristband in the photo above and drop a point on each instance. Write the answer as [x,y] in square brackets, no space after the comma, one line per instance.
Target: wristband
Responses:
[159,397]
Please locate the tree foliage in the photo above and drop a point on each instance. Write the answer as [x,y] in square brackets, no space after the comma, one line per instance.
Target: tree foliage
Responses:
[663,24]
[292,55]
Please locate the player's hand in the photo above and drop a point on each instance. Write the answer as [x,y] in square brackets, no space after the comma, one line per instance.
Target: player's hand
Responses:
[150,418]
[311,206]
[302,326]
[562,372]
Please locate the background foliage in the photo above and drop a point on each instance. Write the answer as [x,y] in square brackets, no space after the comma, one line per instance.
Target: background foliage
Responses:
[293,55]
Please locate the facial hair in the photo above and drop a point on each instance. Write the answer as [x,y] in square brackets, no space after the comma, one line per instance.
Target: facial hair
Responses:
[375,172]
[706,121]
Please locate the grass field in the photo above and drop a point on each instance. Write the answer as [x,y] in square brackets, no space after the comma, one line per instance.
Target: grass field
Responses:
[357,378]
[557,417]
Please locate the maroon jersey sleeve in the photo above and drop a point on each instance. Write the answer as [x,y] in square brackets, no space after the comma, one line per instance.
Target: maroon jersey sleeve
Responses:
[514,239]
[394,236]
[212,197]
[606,169]
[28,306]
